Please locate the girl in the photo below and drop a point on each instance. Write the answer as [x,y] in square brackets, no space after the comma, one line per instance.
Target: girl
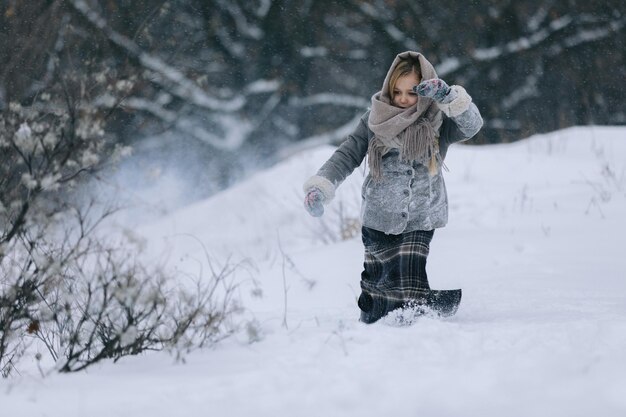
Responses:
[406,134]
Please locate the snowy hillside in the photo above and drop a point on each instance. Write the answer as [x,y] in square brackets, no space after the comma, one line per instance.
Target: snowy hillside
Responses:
[536,240]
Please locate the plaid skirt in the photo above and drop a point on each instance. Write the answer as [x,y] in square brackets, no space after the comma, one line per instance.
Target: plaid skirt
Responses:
[394,271]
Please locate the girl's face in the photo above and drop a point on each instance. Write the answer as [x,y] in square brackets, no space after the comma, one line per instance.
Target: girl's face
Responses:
[403,95]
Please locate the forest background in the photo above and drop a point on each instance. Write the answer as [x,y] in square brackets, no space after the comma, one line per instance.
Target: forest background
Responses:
[229,87]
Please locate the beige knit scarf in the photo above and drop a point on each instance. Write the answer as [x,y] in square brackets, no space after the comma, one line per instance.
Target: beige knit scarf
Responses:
[414,131]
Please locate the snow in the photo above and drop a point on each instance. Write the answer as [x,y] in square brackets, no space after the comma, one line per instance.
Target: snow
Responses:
[535,239]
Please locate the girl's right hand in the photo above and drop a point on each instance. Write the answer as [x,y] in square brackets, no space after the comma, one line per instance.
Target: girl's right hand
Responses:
[313,202]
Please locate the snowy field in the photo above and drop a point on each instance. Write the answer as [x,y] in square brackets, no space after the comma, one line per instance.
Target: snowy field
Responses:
[536,239]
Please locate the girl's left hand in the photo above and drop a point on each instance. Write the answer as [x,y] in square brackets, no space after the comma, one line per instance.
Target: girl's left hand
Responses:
[435,88]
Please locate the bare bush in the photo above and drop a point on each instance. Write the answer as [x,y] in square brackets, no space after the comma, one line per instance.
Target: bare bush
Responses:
[62,283]
[109,306]
[340,223]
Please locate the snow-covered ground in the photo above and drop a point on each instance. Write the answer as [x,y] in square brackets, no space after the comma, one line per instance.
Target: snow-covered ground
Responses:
[536,239]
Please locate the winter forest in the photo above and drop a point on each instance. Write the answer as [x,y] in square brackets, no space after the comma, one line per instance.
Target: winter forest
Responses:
[237,80]
[156,257]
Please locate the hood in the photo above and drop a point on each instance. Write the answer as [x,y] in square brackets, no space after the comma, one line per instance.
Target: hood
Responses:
[428,72]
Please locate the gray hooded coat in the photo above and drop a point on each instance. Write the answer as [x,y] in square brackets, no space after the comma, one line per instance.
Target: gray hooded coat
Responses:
[407,197]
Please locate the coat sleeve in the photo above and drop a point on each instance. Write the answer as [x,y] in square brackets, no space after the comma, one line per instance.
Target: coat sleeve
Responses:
[342,162]
[464,114]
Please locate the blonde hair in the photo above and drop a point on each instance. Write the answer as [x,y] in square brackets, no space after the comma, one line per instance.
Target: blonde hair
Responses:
[404,67]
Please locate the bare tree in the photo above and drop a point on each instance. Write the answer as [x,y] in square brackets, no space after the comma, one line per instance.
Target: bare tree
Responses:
[242,78]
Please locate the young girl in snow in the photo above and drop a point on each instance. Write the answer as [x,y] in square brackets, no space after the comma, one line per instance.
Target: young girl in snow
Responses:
[413,120]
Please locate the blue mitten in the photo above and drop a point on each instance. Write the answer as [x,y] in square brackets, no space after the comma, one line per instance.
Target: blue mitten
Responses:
[313,202]
[435,88]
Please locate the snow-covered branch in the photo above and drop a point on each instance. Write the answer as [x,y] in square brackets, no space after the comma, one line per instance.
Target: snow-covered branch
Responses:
[525,90]
[591,35]
[448,65]
[235,130]
[331,98]
[502,124]
[536,19]
[538,39]
[244,26]
[329,138]
[168,77]
[388,26]
[264,7]
[262,86]
[42,83]
[523,43]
